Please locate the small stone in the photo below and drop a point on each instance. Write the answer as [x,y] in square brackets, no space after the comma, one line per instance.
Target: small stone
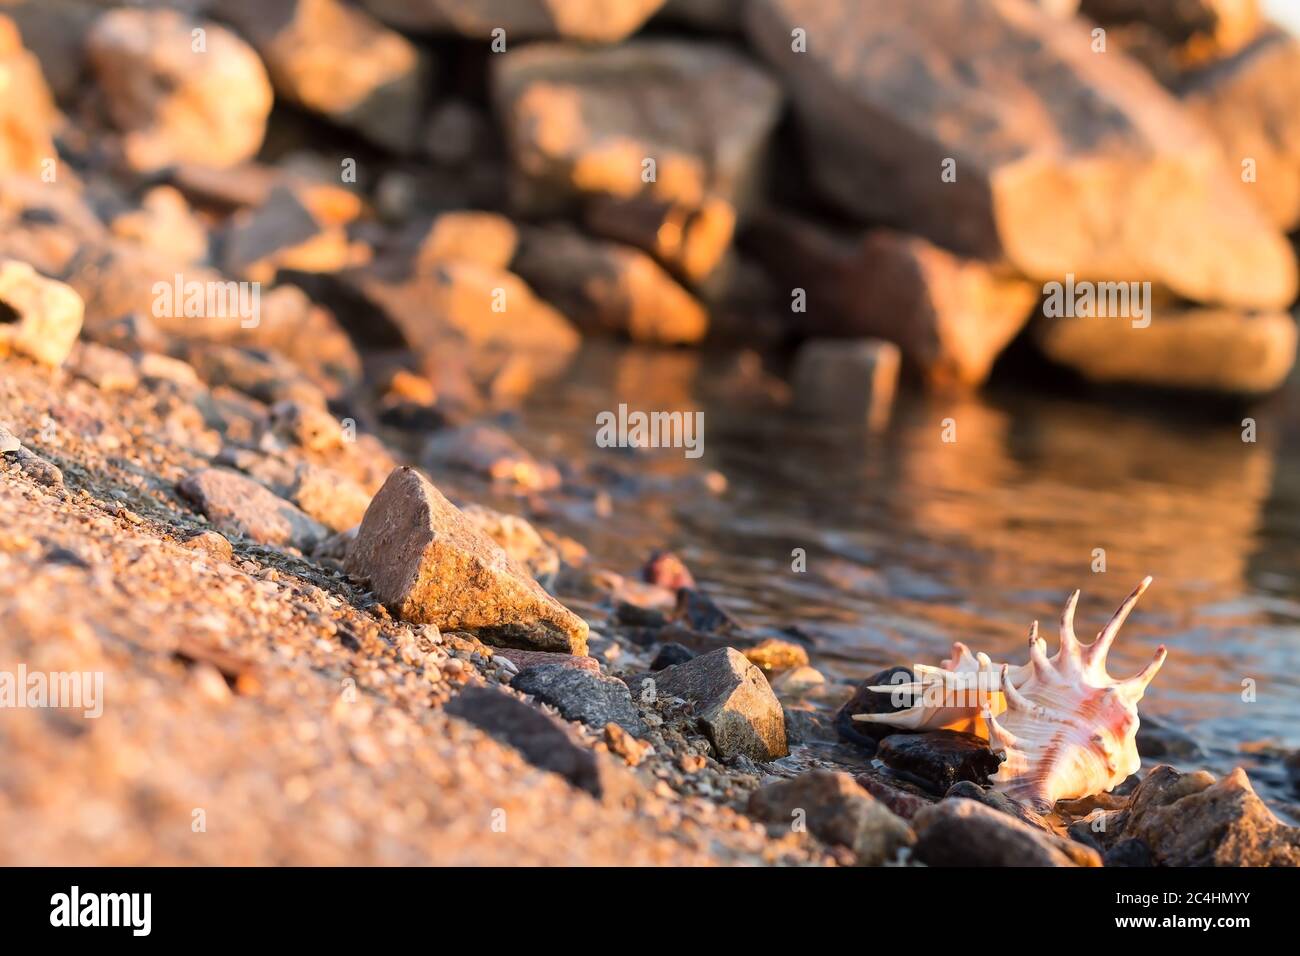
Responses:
[484,237]
[774,655]
[523,659]
[619,741]
[799,681]
[894,794]
[211,543]
[49,313]
[578,694]
[962,832]
[430,564]
[1132,853]
[670,654]
[543,741]
[732,701]
[332,498]
[940,757]
[1156,739]
[847,380]
[239,505]
[107,369]
[666,570]
[998,801]
[837,811]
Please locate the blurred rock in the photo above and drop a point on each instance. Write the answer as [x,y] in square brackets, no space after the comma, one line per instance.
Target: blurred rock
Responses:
[456,133]
[337,61]
[691,241]
[951,316]
[1193,820]
[27,113]
[670,654]
[596,21]
[45,223]
[461,318]
[1197,349]
[716,16]
[1155,738]
[582,123]
[846,379]
[430,564]
[732,702]
[666,570]
[177,95]
[835,810]
[1211,27]
[1248,102]
[165,222]
[55,31]
[520,540]
[239,505]
[487,238]
[106,368]
[492,454]
[283,234]
[39,317]
[962,832]
[941,758]
[578,694]
[606,287]
[996,131]
[333,499]
[774,655]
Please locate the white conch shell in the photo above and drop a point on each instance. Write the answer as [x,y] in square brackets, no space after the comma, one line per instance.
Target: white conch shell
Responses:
[1067,728]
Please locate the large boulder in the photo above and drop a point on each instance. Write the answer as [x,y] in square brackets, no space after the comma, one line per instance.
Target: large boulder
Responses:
[1210,350]
[994,129]
[586,122]
[338,61]
[178,88]
[430,564]
[950,315]
[597,21]
[1249,102]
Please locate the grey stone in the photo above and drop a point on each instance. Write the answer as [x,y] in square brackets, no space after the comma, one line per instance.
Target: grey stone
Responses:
[732,701]
[594,699]
[236,504]
[962,832]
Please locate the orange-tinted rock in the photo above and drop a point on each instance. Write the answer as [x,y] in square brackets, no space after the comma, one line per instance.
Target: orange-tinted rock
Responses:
[27,113]
[597,21]
[172,100]
[995,130]
[1249,102]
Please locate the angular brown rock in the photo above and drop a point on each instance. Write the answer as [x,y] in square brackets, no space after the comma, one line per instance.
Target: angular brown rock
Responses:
[236,504]
[430,564]
[960,832]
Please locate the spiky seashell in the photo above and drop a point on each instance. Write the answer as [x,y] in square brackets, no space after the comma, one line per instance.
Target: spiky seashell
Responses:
[1066,727]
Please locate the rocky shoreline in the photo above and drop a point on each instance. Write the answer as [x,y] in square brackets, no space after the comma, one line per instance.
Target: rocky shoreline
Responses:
[268,304]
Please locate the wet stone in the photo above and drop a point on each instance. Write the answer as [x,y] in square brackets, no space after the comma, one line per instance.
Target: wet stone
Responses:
[940,758]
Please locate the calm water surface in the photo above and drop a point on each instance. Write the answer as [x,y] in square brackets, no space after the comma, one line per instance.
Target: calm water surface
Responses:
[913,542]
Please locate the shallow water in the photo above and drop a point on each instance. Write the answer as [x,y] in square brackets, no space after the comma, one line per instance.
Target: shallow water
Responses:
[913,542]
